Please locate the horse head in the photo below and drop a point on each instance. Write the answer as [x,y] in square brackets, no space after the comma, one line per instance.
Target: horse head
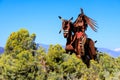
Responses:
[66,27]
[83,21]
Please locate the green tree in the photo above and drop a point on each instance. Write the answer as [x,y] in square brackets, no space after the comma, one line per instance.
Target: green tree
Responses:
[20,41]
[18,61]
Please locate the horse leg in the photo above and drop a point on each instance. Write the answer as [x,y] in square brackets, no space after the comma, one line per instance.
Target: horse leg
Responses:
[86,60]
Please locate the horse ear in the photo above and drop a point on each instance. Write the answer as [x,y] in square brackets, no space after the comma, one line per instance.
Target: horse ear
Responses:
[71,18]
[60,18]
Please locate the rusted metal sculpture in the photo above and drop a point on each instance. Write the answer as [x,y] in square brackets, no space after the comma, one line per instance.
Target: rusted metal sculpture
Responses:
[77,41]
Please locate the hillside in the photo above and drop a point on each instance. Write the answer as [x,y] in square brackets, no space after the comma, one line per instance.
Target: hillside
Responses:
[55,64]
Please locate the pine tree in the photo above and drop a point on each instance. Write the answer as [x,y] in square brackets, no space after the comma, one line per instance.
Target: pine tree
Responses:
[20,41]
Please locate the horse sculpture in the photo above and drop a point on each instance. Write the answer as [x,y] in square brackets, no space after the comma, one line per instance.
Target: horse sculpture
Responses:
[68,29]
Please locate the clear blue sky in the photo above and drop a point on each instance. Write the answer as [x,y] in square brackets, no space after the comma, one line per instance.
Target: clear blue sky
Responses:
[41,17]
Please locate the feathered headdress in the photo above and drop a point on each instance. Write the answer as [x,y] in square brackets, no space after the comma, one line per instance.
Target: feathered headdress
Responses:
[92,23]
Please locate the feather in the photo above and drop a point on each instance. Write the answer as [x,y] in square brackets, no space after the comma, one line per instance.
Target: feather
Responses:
[92,23]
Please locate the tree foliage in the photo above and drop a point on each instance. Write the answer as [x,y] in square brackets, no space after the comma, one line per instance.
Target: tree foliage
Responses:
[19,63]
[20,41]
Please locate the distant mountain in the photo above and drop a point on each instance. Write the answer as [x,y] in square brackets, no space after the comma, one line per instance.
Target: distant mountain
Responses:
[110,52]
[45,46]
[1,50]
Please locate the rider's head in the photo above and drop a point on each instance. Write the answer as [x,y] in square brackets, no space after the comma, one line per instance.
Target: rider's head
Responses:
[78,29]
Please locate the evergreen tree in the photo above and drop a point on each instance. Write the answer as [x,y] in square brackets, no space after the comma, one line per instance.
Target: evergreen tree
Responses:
[20,41]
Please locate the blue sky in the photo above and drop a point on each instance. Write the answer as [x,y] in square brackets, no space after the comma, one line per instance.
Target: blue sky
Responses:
[41,17]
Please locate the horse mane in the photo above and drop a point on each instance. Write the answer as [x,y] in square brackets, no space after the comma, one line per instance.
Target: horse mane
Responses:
[89,21]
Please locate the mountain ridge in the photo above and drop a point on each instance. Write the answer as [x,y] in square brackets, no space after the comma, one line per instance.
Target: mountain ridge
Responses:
[103,50]
[110,52]
[1,50]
